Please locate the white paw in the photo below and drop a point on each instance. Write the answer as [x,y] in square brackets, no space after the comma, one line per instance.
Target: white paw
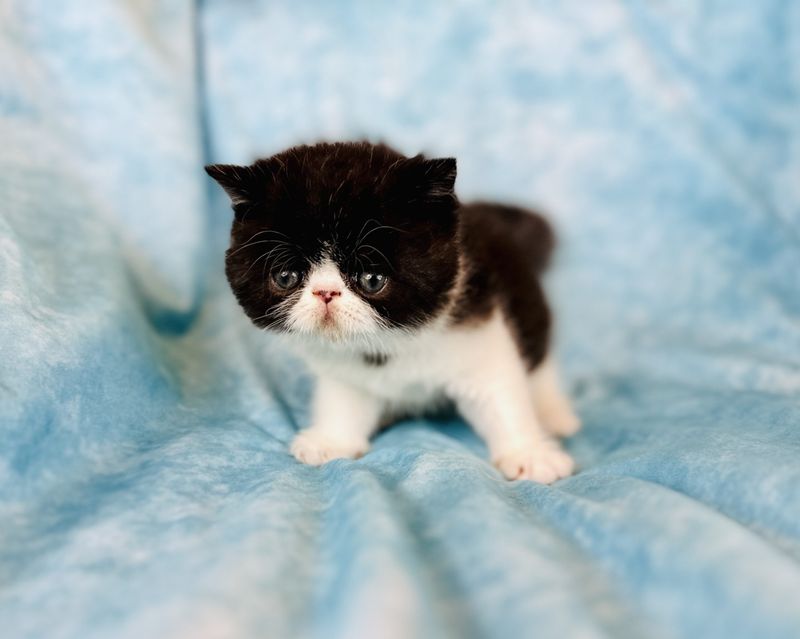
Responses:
[558,417]
[315,448]
[542,462]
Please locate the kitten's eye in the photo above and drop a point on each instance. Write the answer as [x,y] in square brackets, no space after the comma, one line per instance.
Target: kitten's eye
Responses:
[371,282]
[286,279]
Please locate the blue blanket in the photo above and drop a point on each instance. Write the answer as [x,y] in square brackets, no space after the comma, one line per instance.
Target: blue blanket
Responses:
[145,485]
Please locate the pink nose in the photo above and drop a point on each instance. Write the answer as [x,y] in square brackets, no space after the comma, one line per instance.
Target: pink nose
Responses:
[327,296]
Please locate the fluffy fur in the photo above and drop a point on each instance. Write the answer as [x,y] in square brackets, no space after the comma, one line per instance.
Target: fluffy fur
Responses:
[400,299]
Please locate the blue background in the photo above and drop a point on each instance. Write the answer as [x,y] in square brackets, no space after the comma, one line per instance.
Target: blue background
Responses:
[145,483]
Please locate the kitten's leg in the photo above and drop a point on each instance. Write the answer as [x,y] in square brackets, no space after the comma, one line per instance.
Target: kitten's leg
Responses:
[552,404]
[496,402]
[342,420]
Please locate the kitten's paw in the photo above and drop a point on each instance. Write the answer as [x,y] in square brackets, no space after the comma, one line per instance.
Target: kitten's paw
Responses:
[315,448]
[558,418]
[542,462]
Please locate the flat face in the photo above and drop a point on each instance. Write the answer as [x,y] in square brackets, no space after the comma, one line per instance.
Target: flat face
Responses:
[342,240]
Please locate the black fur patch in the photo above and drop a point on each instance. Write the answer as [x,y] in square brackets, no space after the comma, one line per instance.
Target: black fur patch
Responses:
[505,251]
[369,208]
[375,359]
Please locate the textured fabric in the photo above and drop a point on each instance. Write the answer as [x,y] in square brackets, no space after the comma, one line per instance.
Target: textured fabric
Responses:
[145,485]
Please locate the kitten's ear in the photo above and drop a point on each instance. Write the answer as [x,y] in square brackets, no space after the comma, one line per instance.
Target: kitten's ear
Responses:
[427,180]
[440,176]
[241,183]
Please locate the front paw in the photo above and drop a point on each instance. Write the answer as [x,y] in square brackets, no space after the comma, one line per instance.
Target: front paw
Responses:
[315,448]
[542,462]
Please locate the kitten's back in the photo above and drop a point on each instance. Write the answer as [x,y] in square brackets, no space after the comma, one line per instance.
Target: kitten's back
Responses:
[507,249]
[499,231]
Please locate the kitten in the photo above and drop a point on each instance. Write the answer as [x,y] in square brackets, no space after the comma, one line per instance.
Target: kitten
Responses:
[399,299]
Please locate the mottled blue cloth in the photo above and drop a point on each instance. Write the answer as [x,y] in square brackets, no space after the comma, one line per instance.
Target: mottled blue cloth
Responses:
[146,489]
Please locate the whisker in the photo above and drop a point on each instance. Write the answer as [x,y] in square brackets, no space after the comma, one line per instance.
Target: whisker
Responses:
[379,252]
[280,310]
[262,232]
[286,259]
[264,273]
[358,238]
[380,227]
[253,264]
[252,237]
[360,264]
[282,254]
[241,248]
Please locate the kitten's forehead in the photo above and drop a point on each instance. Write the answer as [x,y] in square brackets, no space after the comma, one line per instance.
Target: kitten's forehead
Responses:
[322,237]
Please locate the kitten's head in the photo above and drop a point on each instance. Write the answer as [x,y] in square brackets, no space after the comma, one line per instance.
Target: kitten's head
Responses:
[342,241]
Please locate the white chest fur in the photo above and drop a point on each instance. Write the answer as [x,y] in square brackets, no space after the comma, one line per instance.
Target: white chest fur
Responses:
[418,371]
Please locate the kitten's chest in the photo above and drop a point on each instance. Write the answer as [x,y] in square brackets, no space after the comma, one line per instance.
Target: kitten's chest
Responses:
[406,379]
[411,378]
[414,373]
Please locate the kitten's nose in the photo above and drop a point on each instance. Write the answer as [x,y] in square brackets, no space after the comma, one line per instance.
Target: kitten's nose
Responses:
[326,296]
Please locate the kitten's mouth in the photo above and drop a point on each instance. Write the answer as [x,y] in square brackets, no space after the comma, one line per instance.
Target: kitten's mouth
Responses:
[328,323]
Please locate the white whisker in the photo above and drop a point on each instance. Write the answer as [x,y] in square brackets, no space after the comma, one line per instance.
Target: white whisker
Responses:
[379,252]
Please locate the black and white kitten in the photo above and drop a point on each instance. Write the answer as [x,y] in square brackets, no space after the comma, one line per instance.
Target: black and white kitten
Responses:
[399,299]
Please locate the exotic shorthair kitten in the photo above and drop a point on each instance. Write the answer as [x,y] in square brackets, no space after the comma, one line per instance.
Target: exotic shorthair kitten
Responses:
[400,299]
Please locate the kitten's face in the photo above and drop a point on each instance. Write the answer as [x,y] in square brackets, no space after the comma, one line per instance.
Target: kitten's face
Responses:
[342,241]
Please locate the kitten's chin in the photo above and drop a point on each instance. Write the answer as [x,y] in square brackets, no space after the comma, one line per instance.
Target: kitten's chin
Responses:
[330,338]
[330,329]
